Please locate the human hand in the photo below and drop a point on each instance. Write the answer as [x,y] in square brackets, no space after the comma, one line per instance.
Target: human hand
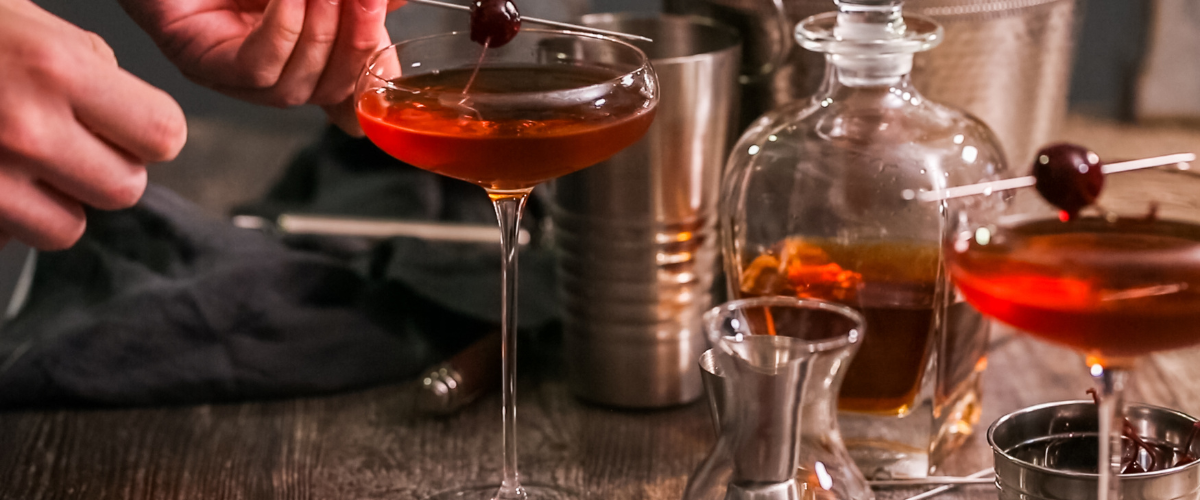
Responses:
[75,129]
[275,52]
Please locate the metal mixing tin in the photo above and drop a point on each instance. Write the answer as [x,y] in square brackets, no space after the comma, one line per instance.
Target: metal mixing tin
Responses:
[1026,479]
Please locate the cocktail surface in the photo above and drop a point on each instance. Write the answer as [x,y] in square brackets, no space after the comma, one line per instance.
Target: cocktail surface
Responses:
[515,127]
[1112,290]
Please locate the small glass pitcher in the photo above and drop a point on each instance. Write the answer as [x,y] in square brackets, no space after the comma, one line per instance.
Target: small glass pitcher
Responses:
[781,361]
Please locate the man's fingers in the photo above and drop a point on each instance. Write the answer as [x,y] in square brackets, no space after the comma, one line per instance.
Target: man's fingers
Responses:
[152,131]
[80,165]
[311,53]
[361,33]
[266,50]
[343,113]
[37,214]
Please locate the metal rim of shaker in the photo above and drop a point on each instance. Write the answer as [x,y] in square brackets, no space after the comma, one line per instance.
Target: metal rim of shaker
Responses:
[974,8]
[1079,475]
[983,7]
[813,345]
[734,35]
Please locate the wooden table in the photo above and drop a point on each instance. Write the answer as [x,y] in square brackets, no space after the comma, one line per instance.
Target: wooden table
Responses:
[370,445]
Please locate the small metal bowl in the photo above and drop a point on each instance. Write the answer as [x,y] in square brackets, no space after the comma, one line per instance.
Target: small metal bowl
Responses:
[1027,471]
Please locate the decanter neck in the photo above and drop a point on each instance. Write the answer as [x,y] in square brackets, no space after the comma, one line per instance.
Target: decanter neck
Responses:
[870,71]
[844,83]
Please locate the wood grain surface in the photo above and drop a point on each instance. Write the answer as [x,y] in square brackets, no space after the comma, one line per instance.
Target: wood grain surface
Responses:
[370,445]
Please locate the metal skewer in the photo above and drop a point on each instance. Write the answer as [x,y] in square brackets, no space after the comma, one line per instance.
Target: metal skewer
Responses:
[929,481]
[303,224]
[535,20]
[942,489]
[1019,182]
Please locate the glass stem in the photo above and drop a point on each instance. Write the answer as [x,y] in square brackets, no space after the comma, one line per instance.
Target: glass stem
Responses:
[1112,418]
[509,207]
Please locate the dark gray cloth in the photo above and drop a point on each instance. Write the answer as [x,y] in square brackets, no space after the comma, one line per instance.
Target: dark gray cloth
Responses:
[161,304]
[341,175]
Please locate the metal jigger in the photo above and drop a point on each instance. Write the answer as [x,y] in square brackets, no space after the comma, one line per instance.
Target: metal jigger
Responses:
[780,361]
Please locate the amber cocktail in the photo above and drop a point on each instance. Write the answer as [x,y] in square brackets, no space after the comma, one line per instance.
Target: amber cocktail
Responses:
[507,118]
[1115,280]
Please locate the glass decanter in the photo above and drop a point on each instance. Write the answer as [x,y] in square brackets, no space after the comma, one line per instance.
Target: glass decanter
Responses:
[819,202]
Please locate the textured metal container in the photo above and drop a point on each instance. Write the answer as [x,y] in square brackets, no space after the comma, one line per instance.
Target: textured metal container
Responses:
[1022,480]
[636,234]
[1006,61]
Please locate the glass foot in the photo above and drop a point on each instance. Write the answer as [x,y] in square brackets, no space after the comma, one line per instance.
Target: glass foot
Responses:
[488,492]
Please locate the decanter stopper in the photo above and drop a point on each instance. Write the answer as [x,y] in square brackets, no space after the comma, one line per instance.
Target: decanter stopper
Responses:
[869,19]
[871,42]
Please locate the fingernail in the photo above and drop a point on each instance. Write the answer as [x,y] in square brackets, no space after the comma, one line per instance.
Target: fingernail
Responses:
[373,6]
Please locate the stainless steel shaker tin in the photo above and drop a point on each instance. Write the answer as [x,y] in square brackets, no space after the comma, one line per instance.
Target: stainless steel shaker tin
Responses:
[1017,479]
[636,234]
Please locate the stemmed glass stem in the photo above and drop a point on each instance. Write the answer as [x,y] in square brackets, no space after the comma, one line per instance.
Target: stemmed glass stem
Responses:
[509,207]
[1112,415]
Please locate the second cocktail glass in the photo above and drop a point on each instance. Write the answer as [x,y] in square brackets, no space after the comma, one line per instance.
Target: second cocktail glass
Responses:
[507,118]
[1115,283]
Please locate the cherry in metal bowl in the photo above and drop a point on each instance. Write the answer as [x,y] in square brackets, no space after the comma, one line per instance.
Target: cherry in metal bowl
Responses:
[1063,472]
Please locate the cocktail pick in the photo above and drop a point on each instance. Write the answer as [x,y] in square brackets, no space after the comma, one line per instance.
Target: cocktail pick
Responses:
[547,22]
[947,487]
[930,481]
[1026,181]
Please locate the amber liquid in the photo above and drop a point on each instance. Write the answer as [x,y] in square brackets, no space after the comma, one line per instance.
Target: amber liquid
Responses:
[1111,290]
[886,373]
[501,134]
[892,284]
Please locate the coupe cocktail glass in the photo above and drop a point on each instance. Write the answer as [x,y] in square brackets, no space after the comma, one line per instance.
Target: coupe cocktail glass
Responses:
[507,118]
[1117,282]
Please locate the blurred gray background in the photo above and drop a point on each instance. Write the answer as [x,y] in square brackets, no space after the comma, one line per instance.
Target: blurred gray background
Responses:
[236,149]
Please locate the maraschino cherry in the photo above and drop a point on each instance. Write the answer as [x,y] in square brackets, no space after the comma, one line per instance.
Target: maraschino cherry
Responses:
[494,22]
[1068,176]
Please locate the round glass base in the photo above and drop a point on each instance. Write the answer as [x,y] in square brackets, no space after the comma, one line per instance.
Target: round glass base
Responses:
[488,492]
